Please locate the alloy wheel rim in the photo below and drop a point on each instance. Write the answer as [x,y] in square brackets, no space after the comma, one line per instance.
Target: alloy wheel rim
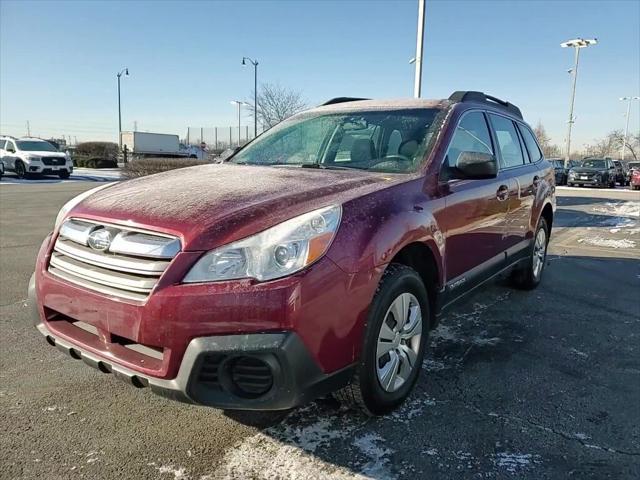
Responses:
[399,342]
[539,252]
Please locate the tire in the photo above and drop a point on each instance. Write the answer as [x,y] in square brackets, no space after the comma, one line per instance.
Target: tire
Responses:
[374,389]
[20,169]
[64,174]
[529,276]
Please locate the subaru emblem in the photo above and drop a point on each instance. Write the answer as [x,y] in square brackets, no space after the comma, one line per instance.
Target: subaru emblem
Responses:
[100,239]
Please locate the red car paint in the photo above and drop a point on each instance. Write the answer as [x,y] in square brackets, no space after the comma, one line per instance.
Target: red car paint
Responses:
[460,222]
[635,179]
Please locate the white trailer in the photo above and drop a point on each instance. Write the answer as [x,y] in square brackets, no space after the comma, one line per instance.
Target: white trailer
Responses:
[145,144]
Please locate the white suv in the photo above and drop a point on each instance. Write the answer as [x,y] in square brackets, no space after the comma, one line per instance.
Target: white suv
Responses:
[26,156]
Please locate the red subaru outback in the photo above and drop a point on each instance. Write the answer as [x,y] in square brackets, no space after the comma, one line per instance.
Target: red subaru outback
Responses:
[315,260]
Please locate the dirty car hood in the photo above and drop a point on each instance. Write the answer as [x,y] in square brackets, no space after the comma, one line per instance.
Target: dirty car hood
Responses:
[211,205]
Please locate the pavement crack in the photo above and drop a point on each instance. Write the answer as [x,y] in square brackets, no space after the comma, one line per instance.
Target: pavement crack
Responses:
[560,433]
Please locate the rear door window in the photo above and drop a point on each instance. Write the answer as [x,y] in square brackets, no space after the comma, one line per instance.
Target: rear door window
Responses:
[508,141]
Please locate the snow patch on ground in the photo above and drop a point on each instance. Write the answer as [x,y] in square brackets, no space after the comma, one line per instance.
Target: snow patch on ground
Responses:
[371,445]
[178,473]
[598,241]
[514,462]
[619,209]
[292,449]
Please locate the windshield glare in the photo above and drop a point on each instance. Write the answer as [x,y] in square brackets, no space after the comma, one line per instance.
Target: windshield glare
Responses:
[382,141]
[595,163]
[35,146]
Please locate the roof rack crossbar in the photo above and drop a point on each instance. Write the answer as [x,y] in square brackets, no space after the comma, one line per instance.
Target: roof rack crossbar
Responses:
[335,100]
[481,97]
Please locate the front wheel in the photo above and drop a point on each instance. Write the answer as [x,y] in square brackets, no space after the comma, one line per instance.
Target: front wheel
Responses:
[64,174]
[394,343]
[20,170]
[528,277]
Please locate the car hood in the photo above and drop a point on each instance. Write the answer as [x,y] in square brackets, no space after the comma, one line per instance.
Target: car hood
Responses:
[212,205]
[42,153]
[588,170]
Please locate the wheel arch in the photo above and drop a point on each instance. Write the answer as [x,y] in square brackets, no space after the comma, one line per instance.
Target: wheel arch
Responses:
[420,257]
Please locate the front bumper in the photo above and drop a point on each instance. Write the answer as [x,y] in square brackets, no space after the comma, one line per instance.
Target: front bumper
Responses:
[48,169]
[206,375]
[588,181]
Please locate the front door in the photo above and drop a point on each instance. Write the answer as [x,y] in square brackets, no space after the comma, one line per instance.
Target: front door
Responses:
[472,220]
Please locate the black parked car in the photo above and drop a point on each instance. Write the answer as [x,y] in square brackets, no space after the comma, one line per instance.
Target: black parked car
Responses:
[562,173]
[622,172]
[597,172]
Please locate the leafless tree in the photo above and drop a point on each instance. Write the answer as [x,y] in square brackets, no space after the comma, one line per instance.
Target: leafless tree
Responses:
[276,103]
[549,149]
[611,145]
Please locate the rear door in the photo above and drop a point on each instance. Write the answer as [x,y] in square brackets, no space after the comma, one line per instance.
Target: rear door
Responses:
[522,179]
[473,218]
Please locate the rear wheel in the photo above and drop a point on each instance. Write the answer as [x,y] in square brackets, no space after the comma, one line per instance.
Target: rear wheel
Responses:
[395,338]
[528,277]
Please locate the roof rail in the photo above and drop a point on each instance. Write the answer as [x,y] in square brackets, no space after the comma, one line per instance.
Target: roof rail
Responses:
[333,101]
[481,97]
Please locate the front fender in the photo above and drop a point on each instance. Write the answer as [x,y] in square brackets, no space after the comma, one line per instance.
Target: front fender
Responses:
[377,226]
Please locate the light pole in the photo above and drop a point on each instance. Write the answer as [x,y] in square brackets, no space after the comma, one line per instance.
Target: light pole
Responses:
[126,74]
[417,83]
[239,104]
[577,44]
[626,127]
[255,93]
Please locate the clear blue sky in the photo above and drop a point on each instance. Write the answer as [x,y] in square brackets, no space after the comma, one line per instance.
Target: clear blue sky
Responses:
[59,59]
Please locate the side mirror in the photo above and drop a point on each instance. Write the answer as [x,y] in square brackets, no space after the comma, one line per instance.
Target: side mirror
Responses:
[11,150]
[477,165]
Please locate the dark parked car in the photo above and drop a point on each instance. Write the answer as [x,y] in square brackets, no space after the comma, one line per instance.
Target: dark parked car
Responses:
[597,172]
[315,260]
[562,173]
[622,172]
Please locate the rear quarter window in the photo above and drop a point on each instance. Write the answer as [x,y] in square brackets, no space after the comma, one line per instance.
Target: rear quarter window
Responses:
[530,142]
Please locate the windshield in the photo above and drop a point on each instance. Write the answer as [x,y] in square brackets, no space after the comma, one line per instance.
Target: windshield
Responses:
[35,146]
[595,164]
[634,165]
[382,141]
[558,163]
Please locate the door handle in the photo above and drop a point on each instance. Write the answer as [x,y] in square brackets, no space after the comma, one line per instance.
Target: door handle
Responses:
[503,193]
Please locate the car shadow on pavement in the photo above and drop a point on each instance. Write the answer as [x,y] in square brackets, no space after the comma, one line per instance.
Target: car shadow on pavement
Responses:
[511,385]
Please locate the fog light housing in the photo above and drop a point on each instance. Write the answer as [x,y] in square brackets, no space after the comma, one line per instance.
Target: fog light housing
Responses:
[248,377]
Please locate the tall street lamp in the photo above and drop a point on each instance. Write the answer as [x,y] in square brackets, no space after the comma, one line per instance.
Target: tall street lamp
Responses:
[239,104]
[126,74]
[626,127]
[417,83]
[255,93]
[577,44]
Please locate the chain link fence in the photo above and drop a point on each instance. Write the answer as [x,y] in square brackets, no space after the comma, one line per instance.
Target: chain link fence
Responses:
[219,138]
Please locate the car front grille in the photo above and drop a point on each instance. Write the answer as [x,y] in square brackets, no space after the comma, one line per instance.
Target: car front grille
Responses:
[53,160]
[127,264]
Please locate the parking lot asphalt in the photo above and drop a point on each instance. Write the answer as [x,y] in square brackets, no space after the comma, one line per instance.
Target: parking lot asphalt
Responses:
[525,385]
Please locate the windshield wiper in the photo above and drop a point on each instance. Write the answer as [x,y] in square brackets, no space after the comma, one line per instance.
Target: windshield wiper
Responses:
[327,167]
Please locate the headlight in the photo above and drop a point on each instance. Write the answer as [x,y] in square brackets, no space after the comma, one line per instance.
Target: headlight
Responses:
[572,173]
[66,208]
[597,176]
[30,158]
[279,251]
